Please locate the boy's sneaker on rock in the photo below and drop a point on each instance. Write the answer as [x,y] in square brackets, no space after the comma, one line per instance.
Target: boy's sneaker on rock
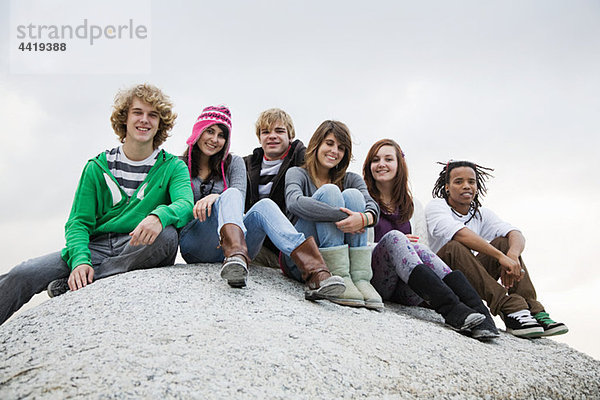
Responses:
[550,326]
[522,324]
[58,287]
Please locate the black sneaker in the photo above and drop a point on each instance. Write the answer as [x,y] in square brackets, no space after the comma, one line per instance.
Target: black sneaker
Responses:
[58,287]
[485,331]
[522,324]
[550,326]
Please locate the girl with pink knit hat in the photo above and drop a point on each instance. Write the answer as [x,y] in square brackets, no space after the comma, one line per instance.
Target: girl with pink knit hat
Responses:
[221,232]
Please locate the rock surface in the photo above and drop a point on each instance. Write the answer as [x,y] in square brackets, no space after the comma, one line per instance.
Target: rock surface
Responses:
[181,332]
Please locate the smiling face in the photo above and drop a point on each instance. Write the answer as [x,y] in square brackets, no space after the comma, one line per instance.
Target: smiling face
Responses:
[330,152]
[212,140]
[384,165]
[462,188]
[274,140]
[142,122]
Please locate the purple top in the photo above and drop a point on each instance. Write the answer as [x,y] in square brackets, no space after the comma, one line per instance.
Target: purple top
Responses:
[388,222]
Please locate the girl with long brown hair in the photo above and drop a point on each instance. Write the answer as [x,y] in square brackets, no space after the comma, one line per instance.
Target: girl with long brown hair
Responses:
[334,206]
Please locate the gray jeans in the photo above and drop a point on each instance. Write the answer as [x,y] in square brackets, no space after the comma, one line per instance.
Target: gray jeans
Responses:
[110,253]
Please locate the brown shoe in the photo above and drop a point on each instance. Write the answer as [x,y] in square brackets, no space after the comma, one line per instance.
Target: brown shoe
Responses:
[319,283]
[235,264]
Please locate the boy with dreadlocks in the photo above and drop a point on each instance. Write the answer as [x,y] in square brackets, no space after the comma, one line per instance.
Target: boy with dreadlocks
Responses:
[458,226]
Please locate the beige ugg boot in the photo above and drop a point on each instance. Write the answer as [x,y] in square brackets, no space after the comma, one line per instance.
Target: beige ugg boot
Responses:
[338,262]
[361,273]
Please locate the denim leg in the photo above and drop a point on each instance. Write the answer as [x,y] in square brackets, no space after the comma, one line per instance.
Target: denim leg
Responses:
[308,228]
[199,241]
[265,218]
[129,258]
[230,209]
[355,201]
[19,285]
[326,234]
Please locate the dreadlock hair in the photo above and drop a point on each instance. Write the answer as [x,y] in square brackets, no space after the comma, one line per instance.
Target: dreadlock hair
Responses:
[342,134]
[401,194]
[214,161]
[481,176]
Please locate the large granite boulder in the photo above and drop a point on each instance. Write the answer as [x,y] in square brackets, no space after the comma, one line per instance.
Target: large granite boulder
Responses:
[181,332]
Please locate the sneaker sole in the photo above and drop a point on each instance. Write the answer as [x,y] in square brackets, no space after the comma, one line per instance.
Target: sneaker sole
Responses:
[527,333]
[559,330]
[235,274]
[54,291]
[475,320]
[484,334]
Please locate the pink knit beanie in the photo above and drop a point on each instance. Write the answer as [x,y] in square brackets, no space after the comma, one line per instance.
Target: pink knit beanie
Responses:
[210,116]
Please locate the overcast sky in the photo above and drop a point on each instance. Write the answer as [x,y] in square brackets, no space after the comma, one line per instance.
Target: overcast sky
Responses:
[511,85]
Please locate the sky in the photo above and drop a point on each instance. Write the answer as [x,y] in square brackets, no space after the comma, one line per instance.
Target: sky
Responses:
[511,85]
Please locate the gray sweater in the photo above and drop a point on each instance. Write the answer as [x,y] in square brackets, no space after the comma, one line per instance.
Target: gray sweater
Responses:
[235,175]
[299,189]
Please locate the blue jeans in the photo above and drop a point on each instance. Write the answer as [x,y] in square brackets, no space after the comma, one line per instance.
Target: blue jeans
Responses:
[110,254]
[327,234]
[200,240]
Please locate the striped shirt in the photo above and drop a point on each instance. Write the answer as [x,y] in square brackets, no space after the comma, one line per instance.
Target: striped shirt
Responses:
[268,171]
[130,174]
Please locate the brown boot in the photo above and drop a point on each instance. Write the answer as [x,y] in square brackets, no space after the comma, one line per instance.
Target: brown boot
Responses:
[319,282]
[235,264]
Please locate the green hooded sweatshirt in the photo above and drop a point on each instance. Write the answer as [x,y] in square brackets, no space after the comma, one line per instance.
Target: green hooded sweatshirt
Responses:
[101,206]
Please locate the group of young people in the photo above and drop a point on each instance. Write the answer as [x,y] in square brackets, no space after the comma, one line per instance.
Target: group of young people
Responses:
[289,206]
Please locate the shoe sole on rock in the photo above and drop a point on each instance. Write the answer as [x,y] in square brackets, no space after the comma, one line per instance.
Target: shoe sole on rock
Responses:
[235,273]
[484,334]
[559,330]
[57,288]
[348,302]
[374,305]
[471,321]
[330,288]
[533,332]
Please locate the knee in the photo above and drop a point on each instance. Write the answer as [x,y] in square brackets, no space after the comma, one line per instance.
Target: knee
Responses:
[265,207]
[393,237]
[455,247]
[501,243]
[232,194]
[354,199]
[456,255]
[330,194]
[188,231]
[169,237]
[330,188]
